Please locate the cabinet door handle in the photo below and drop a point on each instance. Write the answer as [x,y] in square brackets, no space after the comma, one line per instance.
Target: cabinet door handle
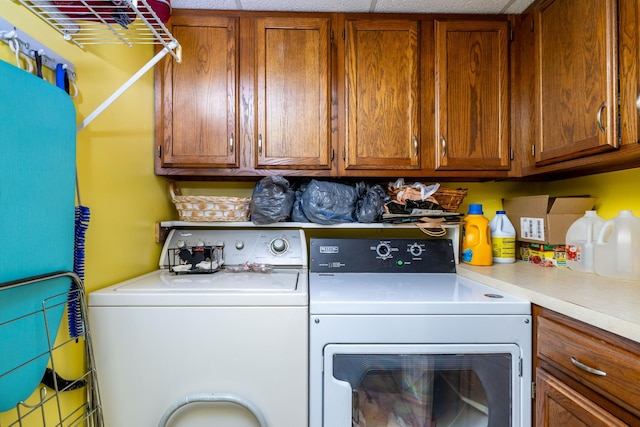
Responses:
[231,144]
[589,369]
[599,116]
[415,146]
[260,144]
[443,142]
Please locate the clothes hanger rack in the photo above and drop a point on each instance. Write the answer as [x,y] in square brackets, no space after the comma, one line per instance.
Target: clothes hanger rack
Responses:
[28,46]
[96,25]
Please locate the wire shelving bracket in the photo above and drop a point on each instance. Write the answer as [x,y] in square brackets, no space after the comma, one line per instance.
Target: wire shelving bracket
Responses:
[95,25]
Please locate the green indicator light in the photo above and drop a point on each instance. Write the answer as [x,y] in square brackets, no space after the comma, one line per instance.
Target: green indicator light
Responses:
[400,263]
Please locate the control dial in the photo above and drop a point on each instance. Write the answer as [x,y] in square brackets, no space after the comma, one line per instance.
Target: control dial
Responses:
[279,246]
[415,250]
[383,250]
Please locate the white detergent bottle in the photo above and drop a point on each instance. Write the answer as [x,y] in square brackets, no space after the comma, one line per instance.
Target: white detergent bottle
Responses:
[617,250]
[503,239]
[580,241]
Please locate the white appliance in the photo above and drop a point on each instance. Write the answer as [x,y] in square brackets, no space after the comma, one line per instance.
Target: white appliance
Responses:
[397,338]
[228,348]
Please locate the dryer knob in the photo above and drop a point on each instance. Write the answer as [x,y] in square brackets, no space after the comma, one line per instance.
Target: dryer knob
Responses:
[415,250]
[239,245]
[383,250]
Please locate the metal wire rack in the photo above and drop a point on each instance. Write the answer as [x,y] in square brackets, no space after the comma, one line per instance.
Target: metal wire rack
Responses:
[128,22]
[134,22]
[53,403]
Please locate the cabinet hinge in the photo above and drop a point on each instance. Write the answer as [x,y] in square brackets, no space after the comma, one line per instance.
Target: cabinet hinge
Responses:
[344,154]
[533,150]
[331,35]
[531,25]
[333,154]
[533,390]
[512,35]
[344,34]
[159,151]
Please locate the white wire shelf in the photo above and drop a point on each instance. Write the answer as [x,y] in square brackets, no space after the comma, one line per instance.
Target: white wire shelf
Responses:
[87,22]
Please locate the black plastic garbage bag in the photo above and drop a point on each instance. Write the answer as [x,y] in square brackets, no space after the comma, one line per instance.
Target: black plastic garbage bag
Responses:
[271,201]
[329,202]
[370,204]
[297,214]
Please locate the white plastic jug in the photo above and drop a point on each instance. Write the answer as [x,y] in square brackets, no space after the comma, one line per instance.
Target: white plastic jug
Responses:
[503,239]
[617,250]
[580,241]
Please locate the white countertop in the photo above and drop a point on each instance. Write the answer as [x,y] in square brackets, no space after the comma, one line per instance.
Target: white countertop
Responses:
[612,305]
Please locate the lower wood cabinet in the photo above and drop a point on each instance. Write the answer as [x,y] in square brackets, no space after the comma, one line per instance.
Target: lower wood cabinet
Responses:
[584,376]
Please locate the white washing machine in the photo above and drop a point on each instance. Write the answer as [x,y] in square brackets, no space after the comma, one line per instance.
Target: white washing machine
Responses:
[195,348]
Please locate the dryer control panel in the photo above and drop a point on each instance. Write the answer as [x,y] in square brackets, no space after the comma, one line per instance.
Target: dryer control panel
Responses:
[381,256]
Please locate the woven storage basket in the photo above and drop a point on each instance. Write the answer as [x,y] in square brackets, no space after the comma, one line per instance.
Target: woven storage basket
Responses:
[209,208]
[450,199]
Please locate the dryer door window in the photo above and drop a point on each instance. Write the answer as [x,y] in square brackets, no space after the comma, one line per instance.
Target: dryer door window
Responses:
[421,385]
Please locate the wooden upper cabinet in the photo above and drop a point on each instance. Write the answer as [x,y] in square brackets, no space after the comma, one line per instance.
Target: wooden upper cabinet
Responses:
[382,123]
[576,88]
[472,95]
[198,97]
[293,91]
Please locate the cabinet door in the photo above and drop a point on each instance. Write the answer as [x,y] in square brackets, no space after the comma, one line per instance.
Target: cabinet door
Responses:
[382,92]
[576,68]
[472,95]
[557,404]
[293,89]
[199,95]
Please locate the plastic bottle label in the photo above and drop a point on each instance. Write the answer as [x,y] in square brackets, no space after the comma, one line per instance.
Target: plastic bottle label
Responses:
[503,247]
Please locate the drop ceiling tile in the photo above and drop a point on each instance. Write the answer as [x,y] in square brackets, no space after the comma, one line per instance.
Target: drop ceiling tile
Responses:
[441,6]
[517,6]
[205,4]
[384,6]
[308,5]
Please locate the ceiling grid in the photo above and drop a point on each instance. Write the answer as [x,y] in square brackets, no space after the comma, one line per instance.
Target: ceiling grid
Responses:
[375,6]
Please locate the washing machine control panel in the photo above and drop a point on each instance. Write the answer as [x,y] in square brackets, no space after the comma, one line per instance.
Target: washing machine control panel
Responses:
[381,256]
[279,248]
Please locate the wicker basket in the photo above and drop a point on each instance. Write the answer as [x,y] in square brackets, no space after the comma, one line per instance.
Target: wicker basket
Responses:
[209,208]
[450,199]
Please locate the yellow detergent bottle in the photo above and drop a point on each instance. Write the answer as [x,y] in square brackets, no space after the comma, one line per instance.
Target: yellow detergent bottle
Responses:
[476,238]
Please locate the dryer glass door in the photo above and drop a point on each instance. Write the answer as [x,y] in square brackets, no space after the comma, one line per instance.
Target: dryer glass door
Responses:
[422,385]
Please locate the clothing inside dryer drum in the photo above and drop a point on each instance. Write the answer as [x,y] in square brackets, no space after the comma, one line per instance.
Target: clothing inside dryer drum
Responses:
[428,390]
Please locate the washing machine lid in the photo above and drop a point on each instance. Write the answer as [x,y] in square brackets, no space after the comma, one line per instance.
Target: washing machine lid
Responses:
[409,293]
[223,288]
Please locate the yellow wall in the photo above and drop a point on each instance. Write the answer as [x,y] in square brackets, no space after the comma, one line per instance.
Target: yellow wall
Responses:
[115,166]
[114,153]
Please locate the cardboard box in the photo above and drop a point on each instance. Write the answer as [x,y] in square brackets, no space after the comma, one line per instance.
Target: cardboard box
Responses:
[545,219]
[545,255]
